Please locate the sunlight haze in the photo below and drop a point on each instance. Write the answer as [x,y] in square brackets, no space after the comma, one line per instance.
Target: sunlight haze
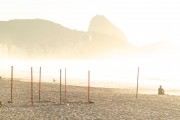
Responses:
[111,37]
[143,21]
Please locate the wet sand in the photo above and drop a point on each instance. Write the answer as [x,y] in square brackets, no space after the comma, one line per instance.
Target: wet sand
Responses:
[109,104]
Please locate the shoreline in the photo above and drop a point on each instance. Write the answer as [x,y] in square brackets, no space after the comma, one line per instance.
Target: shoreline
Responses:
[142,90]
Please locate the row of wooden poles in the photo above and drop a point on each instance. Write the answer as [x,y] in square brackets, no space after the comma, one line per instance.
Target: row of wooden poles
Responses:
[60,86]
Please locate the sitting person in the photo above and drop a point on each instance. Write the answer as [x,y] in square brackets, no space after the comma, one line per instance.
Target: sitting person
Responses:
[160,90]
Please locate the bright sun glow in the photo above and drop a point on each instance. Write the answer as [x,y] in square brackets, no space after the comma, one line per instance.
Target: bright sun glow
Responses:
[113,72]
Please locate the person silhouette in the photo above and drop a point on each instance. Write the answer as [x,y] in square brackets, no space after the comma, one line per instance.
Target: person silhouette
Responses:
[160,90]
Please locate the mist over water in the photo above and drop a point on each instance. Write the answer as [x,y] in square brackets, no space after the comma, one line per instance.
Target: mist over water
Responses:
[113,72]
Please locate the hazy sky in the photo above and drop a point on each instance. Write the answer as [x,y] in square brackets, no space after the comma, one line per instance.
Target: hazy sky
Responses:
[143,21]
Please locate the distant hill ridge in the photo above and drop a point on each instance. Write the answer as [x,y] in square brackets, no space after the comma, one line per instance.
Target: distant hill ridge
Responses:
[45,39]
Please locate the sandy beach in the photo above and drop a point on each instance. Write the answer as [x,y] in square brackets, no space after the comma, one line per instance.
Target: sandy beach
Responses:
[108,104]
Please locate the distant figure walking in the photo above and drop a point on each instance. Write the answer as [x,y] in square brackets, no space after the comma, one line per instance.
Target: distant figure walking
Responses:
[160,90]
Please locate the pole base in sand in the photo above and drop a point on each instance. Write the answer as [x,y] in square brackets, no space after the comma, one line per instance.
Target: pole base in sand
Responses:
[90,102]
[10,101]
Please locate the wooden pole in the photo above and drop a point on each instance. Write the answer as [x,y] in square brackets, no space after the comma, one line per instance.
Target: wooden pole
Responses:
[88,86]
[39,83]
[32,102]
[137,83]
[65,86]
[60,87]
[11,84]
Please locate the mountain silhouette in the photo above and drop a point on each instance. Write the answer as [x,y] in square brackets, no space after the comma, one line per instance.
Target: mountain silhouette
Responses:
[37,38]
[101,24]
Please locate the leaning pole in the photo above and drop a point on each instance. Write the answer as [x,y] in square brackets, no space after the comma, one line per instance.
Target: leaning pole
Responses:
[39,83]
[32,101]
[65,85]
[11,84]
[137,88]
[60,86]
[89,86]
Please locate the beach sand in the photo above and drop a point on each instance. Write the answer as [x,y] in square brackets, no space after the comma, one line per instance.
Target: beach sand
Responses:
[109,104]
